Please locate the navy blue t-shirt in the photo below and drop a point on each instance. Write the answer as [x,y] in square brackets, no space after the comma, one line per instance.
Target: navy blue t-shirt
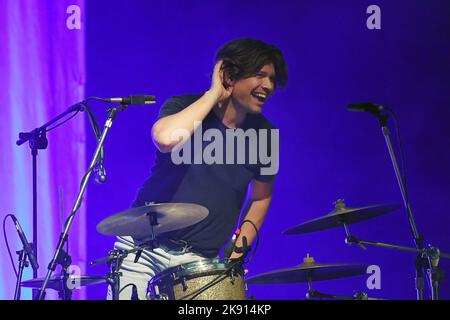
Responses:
[221,188]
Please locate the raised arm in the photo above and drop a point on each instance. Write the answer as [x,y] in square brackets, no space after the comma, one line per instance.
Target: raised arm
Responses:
[190,117]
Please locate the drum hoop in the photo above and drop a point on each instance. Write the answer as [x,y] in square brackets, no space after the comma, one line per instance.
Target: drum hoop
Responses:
[193,269]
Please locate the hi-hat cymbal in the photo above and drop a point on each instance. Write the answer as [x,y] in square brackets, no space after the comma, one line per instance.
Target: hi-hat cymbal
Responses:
[340,215]
[155,218]
[309,270]
[56,281]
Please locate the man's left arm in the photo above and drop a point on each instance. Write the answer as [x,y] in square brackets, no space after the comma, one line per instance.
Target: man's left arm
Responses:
[260,196]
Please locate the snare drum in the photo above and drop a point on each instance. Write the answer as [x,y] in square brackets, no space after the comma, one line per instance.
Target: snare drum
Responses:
[214,279]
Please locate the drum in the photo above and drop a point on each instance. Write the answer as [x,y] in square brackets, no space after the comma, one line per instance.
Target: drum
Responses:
[214,279]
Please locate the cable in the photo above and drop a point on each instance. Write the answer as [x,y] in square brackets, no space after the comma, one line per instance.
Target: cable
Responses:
[92,119]
[84,103]
[128,285]
[7,244]
[96,128]
[257,238]
[61,123]
[81,184]
[90,114]
[401,148]
[97,133]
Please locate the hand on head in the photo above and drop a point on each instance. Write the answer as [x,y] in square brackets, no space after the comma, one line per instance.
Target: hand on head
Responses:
[217,84]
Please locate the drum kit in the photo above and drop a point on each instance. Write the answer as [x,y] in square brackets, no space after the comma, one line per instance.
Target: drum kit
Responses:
[221,279]
[216,278]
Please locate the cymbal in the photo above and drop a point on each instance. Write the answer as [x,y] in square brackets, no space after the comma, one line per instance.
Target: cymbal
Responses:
[55,281]
[309,270]
[340,215]
[137,222]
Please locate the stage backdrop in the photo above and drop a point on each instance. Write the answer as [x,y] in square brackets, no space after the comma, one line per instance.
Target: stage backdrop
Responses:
[167,48]
[42,68]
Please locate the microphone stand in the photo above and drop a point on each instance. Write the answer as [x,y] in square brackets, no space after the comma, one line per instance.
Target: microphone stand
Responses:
[422,264]
[432,254]
[63,237]
[23,263]
[38,141]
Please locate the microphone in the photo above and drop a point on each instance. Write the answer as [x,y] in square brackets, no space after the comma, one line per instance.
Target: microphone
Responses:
[231,245]
[133,99]
[366,107]
[26,245]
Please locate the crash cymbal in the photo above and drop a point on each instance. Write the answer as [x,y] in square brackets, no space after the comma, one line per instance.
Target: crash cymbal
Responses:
[309,270]
[340,215]
[140,223]
[55,281]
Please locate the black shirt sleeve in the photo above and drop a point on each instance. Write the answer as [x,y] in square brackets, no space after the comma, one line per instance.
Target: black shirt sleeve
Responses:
[272,150]
[176,104]
[265,178]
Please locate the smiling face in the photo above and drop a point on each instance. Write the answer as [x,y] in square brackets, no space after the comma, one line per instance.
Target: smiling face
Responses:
[249,94]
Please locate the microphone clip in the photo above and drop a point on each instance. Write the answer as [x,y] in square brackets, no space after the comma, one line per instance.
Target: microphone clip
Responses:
[245,249]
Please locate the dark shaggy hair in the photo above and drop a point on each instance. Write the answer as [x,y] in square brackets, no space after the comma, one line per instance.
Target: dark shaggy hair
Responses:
[245,57]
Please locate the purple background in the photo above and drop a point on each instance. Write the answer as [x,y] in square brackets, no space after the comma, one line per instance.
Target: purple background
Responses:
[42,68]
[326,153]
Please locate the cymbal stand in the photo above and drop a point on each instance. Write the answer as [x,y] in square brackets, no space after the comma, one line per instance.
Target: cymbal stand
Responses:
[425,264]
[65,260]
[114,260]
[23,263]
[113,277]
[431,254]
[314,294]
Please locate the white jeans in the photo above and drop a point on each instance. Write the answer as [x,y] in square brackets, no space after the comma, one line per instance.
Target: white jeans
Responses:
[150,263]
